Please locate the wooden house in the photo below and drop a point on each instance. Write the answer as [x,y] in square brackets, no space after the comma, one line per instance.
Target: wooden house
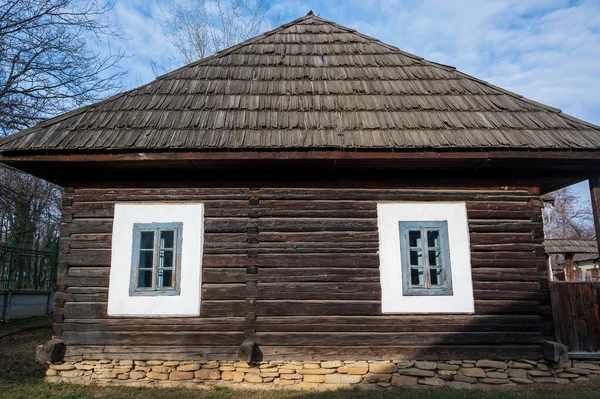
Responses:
[309,195]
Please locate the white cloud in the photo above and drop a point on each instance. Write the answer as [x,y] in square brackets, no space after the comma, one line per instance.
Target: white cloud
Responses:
[544,50]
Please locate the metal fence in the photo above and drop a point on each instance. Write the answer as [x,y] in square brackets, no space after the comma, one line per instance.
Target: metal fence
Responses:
[26,268]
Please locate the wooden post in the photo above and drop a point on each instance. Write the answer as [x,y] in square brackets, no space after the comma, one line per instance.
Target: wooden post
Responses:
[595,195]
[569,272]
[50,302]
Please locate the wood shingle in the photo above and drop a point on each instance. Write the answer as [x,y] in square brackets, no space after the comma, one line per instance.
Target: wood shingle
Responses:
[310,84]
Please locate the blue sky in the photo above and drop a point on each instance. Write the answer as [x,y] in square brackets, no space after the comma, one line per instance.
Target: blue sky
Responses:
[546,50]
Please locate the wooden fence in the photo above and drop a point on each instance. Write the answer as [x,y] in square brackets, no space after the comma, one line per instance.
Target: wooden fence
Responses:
[576,310]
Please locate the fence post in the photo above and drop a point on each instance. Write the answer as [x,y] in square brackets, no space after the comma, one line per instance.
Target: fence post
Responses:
[7,302]
[50,303]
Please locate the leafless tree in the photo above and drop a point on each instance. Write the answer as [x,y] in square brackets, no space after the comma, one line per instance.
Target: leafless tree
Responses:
[46,63]
[568,216]
[199,28]
[29,209]
[54,56]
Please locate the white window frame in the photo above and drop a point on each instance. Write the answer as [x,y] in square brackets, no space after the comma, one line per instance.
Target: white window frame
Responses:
[393,299]
[186,302]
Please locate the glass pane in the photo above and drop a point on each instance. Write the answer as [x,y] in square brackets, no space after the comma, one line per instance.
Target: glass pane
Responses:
[417,276]
[147,240]
[145,279]
[414,238]
[166,238]
[433,238]
[165,258]
[165,278]
[435,275]
[146,259]
[416,257]
[435,257]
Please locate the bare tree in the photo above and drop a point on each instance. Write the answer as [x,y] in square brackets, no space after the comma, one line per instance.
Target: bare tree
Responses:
[51,61]
[46,64]
[199,28]
[29,209]
[568,216]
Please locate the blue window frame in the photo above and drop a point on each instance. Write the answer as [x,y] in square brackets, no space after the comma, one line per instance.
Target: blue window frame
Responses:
[425,253]
[156,259]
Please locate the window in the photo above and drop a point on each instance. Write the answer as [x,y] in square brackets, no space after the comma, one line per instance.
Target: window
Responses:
[425,258]
[170,261]
[156,259]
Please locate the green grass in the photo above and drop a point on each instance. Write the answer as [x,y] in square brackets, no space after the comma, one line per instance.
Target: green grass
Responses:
[22,378]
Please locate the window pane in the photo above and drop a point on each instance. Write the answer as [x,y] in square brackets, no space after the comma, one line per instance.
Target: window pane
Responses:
[147,240]
[414,238]
[165,278]
[165,258]
[435,275]
[416,257]
[166,238]
[145,279]
[417,276]
[146,259]
[433,238]
[435,257]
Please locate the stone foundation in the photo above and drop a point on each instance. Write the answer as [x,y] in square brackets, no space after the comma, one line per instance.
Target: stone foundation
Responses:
[321,375]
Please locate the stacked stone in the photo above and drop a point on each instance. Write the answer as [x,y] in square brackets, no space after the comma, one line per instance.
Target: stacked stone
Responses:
[321,375]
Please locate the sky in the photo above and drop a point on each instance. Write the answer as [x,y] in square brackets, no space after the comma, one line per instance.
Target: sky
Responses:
[545,50]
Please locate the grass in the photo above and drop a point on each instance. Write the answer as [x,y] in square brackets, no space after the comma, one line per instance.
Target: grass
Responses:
[22,378]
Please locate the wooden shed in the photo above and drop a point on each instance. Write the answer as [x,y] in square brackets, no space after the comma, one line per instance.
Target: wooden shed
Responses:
[309,195]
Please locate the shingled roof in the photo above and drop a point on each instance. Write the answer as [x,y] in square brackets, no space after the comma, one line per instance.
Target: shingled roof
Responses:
[562,246]
[310,84]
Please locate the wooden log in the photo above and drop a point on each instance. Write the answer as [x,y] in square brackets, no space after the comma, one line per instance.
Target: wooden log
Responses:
[429,352]
[399,323]
[151,338]
[157,324]
[319,291]
[96,257]
[229,308]
[223,291]
[507,306]
[505,274]
[502,238]
[91,271]
[298,260]
[232,225]
[330,236]
[221,275]
[392,194]
[314,307]
[376,339]
[85,310]
[86,281]
[91,226]
[317,274]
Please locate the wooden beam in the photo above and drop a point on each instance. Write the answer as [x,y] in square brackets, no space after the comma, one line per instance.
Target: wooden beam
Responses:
[484,156]
[595,195]
[569,272]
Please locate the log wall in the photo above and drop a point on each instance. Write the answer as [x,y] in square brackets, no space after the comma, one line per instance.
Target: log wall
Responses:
[296,269]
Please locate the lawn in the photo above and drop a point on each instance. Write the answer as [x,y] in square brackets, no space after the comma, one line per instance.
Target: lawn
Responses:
[21,377]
